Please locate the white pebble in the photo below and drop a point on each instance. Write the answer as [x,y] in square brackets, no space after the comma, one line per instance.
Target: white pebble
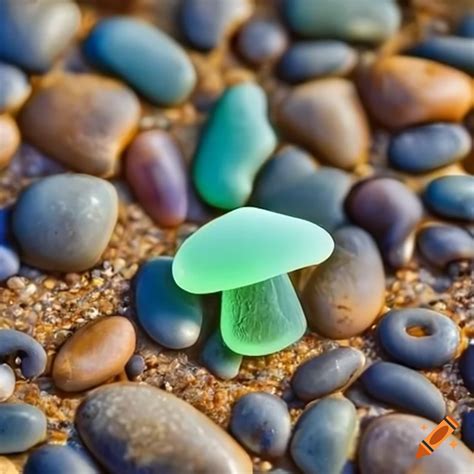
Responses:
[7,382]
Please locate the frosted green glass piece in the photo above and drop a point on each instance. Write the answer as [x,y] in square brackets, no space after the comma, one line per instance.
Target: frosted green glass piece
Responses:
[263,318]
[247,246]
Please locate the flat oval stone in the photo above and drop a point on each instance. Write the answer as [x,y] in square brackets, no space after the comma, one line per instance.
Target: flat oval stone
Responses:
[64,222]
[442,244]
[14,88]
[429,147]
[397,437]
[169,315]
[219,359]
[148,59]
[324,435]
[468,429]
[451,197]
[261,422]
[327,372]
[235,143]
[94,354]
[437,346]
[219,256]
[390,211]
[136,428]
[405,389]
[32,35]
[9,262]
[327,117]
[466,26]
[156,172]
[345,294]
[420,91]
[466,367]
[352,20]
[9,140]
[22,426]
[308,60]
[7,383]
[90,121]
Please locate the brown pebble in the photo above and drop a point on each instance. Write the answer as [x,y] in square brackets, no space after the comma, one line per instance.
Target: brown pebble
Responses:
[9,140]
[94,354]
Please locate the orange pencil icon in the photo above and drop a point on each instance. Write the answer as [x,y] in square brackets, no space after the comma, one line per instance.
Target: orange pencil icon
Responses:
[437,436]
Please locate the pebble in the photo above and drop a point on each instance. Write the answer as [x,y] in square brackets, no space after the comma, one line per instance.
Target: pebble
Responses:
[327,117]
[429,147]
[235,143]
[34,34]
[206,23]
[466,367]
[260,41]
[396,437]
[443,244]
[64,222]
[90,121]
[308,60]
[5,217]
[351,20]
[7,383]
[466,26]
[451,197]
[219,359]
[135,366]
[261,422]
[290,183]
[31,353]
[145,57]
[390,211]
[22,426]
[345,294]
[94,354]
[437,346]
[156,172]
[169,315]
[9,262]
[327,372]
[324,436]
[56,459]
[420,91]
[135,428]
[405,389]
[14,88]
[9,139]
[7,467]
[468,429]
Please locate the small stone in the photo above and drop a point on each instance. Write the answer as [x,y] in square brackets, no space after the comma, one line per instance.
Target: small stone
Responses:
[14,88]
[466,367]
[9,140]
[94,354]
[9,262]
[261,422]
[7,383]
[135,366]
[64,222]
[327,117]
[466,26]
[467,428]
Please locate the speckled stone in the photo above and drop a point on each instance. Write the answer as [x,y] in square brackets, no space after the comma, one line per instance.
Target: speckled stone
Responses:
[22,426]
[345,294]
[405,389]
[90,121]
[324,435]
[136,429]
[219,359]
[7,383]
[327,117]
[466,367]
[65,222]
[9,262]
[14,88]
[327,372]
[9,140]
[467,429]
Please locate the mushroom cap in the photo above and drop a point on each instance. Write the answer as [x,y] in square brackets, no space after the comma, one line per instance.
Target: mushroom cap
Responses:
[247,246]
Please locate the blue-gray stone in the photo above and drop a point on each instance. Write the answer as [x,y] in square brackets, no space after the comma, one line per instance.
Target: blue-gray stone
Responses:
[219,359]
[143,56]
[324,435]
[5,224]
[9,262]
[451,197]
[14,87]
[135,366]
[33,34]
[169,315]
[314,59]
[261,422]
[22,426]
[437,347]
[404,388]
[428,147]
[466,26]
[467,429]
[326,373]
[466,367]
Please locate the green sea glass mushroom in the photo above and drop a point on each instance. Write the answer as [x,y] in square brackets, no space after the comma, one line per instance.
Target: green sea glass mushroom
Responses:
[247,254]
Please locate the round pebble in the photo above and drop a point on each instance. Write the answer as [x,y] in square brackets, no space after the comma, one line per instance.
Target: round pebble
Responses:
[9,262]
[219,359]
[65,222]
[22,426]
[7,383]
[466,367]
[466,26]
[9,139]
[327,372]
[94,354]
[436,346]
[135,366]
[345,294]
[136,428]
[405,389]
[324,435]
[467,429]
[14,88]
[261,422]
